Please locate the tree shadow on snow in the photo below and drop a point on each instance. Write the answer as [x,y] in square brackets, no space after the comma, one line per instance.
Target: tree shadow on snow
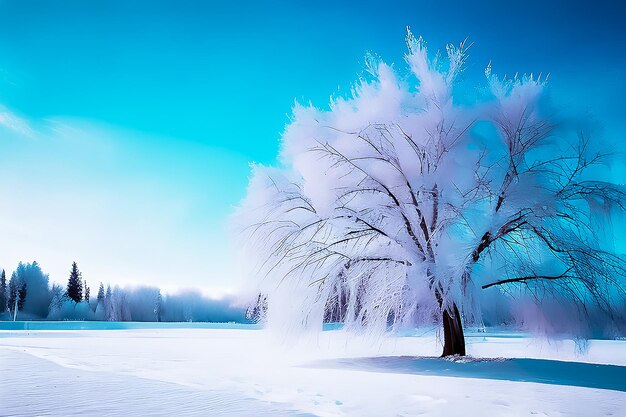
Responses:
[543,371]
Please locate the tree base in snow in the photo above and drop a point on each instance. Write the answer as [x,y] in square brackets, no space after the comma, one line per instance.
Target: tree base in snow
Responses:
[453,338]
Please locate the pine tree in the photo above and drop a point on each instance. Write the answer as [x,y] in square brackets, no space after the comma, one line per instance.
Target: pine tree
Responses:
[17,293]
[3,292]
[86,291]
[75,285]
[13,290]
[101,293]
[109,306]
[158,308]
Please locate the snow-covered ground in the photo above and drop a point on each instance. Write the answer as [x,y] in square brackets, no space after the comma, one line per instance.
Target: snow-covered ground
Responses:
[239,372]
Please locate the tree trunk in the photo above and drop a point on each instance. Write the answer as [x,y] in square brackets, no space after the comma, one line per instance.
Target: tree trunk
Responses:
[453,338]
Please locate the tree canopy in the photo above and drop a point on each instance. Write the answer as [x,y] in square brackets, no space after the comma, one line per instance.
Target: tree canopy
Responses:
[402,206]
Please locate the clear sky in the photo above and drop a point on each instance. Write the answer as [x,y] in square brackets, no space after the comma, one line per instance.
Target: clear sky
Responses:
[126,127]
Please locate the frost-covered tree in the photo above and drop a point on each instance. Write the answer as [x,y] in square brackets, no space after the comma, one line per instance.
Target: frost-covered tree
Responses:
[101,293]
[142,303]
[120,298]
[99,308]
[399,206]
[3,292]
[110,308]
[17,294]
[56,303]
[116,305]
[256,311]
[158,307]
[12,292]
[75,285]
[86,290]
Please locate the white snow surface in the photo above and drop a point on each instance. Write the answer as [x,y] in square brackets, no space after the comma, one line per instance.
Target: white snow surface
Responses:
[240,372]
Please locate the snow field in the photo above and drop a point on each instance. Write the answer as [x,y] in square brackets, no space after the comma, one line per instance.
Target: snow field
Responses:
[251,372]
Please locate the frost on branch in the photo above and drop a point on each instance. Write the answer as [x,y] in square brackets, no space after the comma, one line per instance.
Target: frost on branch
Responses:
[397,207]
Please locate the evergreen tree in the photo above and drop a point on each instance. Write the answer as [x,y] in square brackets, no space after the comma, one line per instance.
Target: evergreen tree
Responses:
[13,290]
[86,291]
[75,285]
[3,292]
[158,308]
[17,292]
[109,307]
[101,293]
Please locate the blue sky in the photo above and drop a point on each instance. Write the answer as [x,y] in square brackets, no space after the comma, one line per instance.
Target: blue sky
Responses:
[128,126]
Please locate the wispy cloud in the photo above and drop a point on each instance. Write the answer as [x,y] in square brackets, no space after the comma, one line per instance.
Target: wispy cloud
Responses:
[14,123]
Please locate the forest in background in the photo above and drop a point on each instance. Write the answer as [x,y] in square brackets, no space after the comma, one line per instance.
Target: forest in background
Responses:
[29,290]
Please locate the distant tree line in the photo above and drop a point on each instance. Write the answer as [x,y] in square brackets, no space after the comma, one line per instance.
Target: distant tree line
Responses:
[28,295]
